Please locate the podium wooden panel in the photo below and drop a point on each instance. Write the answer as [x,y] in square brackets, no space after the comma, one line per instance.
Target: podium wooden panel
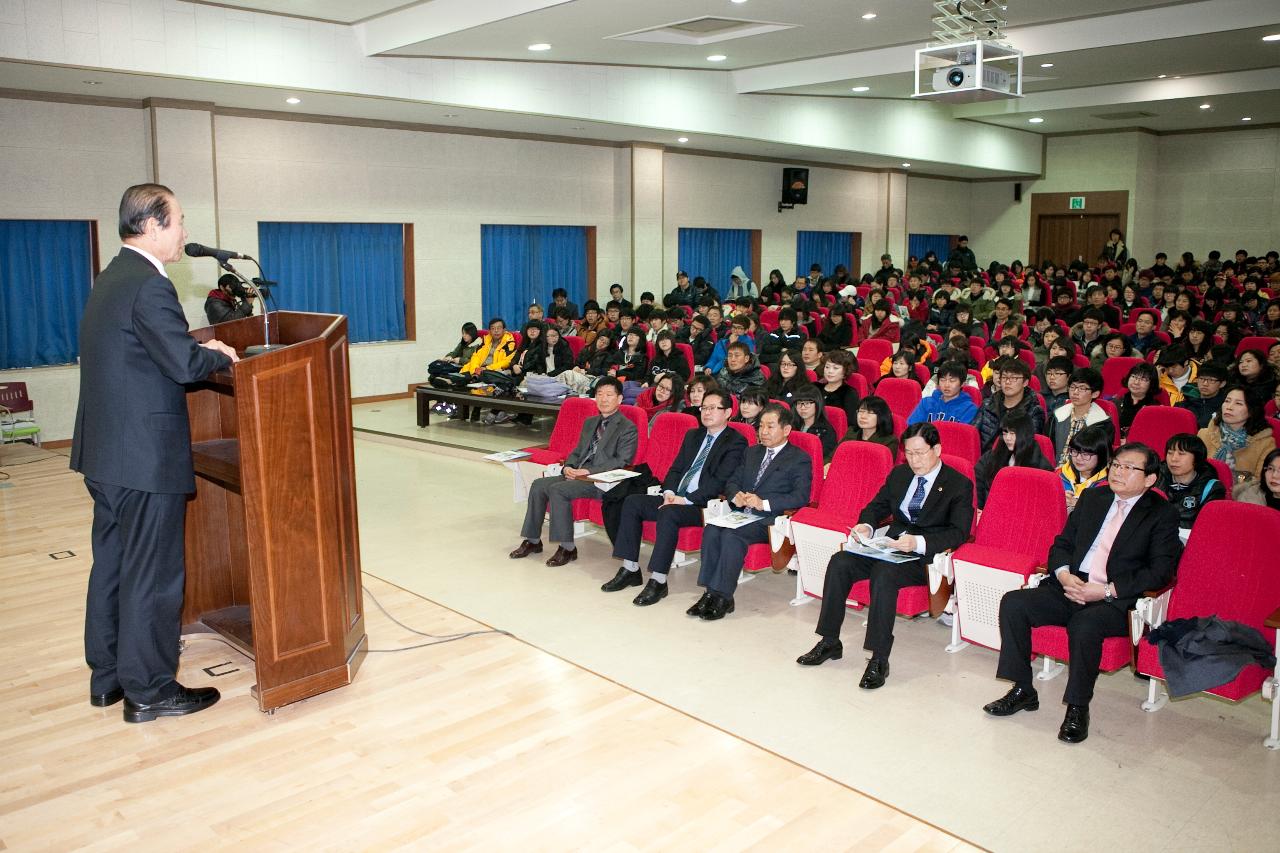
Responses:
[273,552]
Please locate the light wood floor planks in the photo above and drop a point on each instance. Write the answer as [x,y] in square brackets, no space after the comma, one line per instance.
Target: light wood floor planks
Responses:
[486,743]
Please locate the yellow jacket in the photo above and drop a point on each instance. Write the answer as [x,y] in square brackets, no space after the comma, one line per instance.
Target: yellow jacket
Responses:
[1176,395]
[501,359]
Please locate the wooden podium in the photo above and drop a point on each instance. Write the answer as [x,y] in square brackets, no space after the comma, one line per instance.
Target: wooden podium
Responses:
[273,553]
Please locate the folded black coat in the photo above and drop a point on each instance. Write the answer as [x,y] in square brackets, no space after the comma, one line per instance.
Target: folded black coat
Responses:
[1207,652]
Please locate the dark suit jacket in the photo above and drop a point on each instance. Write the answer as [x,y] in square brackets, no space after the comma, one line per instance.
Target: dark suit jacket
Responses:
[135,357]
[1144,555]
[944,520]
[616,449]
[724,459]
[786,484]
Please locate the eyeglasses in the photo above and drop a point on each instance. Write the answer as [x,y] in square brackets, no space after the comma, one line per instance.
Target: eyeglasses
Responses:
[800,403]
[1077,452]
[711,408]
[1126,467]
[1080,389]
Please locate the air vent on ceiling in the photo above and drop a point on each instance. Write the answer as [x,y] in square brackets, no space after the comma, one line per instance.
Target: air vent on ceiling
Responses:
[1125,116]
[707,29]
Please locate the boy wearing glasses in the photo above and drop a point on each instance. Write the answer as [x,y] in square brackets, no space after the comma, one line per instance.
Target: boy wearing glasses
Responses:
[1080,410]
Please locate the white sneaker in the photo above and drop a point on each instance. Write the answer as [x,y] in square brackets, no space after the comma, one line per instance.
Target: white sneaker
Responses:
[489,418]
[503,417]
[947,619]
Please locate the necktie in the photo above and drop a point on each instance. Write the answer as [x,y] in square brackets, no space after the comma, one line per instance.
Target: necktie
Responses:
[764,466]
[595,442]
[696,467]
[917,499]
[1098,565]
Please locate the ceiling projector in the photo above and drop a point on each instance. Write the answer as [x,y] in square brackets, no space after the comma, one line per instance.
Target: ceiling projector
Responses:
[966,76]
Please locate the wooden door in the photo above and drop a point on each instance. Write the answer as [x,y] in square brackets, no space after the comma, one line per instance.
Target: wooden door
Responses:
[1064,237]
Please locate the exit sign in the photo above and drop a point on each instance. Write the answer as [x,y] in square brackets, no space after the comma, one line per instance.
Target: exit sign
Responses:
[1076,202]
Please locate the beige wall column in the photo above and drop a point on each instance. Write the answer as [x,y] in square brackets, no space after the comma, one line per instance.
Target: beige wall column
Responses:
[895,204]
[648,267]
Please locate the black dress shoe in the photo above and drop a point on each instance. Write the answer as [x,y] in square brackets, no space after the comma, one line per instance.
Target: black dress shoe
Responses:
[717,608]
[562,556]
[700,606]
[1075,725]
[1017,699]
[652,593]
[103,700]
[825,650]
[188,700]
[526,548]
[876,672]
[623,579]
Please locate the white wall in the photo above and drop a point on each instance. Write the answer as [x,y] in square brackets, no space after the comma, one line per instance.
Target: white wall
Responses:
[714,192]
[938,207]
[1218,191]
[446,185]
[65,161]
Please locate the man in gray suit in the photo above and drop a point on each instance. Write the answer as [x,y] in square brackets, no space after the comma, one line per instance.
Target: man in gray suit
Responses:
[608,441]
[132,443]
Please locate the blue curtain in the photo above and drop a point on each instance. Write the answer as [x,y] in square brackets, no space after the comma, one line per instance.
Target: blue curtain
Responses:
[921,244]
[713,252]
[828,248]
[520,264]
[356,269]
[44,283]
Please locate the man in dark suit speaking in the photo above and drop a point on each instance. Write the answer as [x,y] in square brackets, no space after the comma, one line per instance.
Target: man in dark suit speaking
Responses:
[1118,543]
[132,443]
[775,476]
[708,457]
[931,510]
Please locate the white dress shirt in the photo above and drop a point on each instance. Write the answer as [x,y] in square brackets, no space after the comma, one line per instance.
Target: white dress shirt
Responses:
[929,479]
[155,262]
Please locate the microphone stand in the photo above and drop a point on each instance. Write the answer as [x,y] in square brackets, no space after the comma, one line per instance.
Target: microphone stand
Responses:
[266,346]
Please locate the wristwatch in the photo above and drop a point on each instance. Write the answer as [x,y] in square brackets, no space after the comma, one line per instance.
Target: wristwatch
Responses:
[1109,592]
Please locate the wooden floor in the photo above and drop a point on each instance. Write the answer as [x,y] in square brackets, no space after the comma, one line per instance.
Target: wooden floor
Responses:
[485,743]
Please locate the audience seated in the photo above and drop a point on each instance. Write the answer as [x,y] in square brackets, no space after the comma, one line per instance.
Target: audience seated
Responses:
[741,370]
[1265,490]
[1088,455]
[930,509]
[708,456]
[773,477]
[948,402]
[788,377]
[608,441]
[833,371]
[1012,395]
[1141,385]
[1239,435]
[807,416]
[1016,447]
[1187,478]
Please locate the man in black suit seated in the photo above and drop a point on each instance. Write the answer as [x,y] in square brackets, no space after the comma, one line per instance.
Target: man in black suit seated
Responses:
[608,441]
[930,506]
[132,443]
[775,476]
[708,457]
[1118,543]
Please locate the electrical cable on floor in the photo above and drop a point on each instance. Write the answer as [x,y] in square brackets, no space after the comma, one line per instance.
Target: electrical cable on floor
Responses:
[436,639]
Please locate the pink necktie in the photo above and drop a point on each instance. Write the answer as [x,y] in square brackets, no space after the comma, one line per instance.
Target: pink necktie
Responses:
[1098,566]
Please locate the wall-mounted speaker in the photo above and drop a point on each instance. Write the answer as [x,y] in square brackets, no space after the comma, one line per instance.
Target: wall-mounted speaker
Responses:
[795,186]
[1017,191]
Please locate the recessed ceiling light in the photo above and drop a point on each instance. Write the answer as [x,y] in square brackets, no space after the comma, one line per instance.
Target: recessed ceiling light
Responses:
[1206,106]
[683,139]
[717,57]
[1161,76]
[1247,118]
[542,45]
[1272,37]
[737,1]
[1036,120]
[293,100]
[450,115]
[860,89]
[577,127]
[92,82]
[870,16]
[906,165]
[1046,64]
[1177,77]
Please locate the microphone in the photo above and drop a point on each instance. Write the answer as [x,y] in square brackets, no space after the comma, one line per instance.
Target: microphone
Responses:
[195,250]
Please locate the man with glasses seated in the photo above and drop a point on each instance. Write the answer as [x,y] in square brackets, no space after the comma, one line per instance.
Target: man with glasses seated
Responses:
[1118,543]
[708,457]
[1081,410]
